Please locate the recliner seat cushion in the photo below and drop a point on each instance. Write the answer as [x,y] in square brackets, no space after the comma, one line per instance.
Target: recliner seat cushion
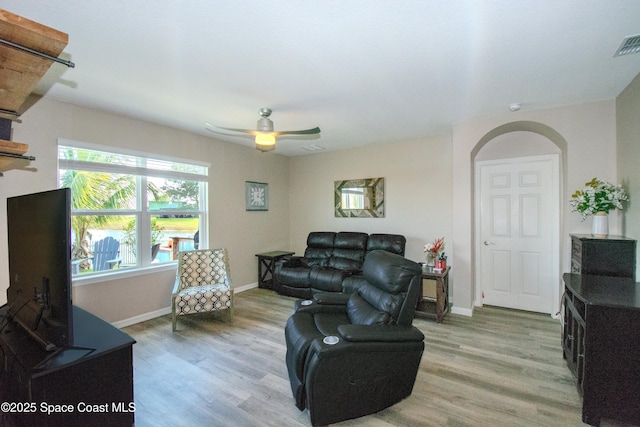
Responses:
[294,277]
[327,323]
[326,279]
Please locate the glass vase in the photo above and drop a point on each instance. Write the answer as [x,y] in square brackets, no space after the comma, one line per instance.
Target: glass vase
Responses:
[431,259]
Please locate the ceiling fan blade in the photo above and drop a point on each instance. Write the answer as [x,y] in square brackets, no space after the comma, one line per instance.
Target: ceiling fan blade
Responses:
[297,132]
[214,129]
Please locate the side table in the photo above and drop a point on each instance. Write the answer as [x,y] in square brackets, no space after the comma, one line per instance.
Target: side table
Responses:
[434,304]
[266,265]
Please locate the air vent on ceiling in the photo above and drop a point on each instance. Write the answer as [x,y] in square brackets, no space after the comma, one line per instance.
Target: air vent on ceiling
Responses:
[312,147]
[629,45]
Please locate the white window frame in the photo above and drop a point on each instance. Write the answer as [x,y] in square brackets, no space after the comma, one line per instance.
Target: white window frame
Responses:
[141,213]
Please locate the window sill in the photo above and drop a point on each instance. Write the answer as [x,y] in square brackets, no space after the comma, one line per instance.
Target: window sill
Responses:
[122,274]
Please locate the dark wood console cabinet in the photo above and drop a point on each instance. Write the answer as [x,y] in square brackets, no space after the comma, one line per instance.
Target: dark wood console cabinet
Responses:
[90,388]
[609,256]
[601,343]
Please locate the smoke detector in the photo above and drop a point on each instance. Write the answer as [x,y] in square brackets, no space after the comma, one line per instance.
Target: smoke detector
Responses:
[629,45]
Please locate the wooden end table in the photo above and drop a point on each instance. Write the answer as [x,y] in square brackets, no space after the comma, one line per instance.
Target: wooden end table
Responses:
[430,304]
[266,265]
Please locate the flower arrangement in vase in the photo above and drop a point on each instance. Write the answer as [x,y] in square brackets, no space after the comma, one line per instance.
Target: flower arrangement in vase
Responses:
[597,199]
[434,250]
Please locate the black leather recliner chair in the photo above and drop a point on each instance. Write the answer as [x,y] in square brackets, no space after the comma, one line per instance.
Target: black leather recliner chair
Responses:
[350,355]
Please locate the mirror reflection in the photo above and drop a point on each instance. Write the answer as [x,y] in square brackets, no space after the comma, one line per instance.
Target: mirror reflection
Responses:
[360,198]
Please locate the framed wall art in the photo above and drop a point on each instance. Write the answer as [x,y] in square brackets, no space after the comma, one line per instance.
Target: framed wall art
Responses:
[257,196]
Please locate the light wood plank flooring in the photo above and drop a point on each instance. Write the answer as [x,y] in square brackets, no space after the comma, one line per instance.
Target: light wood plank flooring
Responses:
[498,368]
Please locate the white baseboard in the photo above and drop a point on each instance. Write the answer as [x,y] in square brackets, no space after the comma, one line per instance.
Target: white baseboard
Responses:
[142,317]
[167,310]
[245,287]
[462,311]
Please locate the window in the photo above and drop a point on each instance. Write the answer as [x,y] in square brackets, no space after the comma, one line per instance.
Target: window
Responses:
[130,210]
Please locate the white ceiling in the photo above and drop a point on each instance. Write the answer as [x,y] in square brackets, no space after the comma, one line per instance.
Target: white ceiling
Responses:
[364,71]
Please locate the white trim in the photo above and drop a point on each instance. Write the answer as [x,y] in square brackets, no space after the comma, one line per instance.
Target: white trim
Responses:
[128,170]
[141,212]
[142,317]
[121,273]
[245,287]
[462,311]
[112,149]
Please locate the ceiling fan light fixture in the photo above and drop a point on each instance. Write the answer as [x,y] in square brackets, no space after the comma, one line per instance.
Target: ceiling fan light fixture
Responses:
[265,136]
[265,141]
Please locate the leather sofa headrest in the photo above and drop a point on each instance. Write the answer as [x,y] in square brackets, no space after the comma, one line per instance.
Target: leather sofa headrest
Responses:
[321,239]
[394,243]
[389,272]
[351,240]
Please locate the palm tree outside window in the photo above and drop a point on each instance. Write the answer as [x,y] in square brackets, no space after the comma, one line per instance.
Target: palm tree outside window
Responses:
[152,207]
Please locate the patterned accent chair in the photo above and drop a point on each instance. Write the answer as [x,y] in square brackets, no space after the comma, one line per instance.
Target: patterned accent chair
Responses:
[203,284]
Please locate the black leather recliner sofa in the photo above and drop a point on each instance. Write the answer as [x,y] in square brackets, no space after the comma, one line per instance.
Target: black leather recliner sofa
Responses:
[350,355]
[328,260]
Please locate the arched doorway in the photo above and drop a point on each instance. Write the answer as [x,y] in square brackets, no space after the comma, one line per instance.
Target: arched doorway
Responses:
[510,146]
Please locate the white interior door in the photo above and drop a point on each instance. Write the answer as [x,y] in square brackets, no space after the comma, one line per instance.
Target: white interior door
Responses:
[518,232]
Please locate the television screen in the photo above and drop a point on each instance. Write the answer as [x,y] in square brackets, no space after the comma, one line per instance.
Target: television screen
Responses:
[39,242]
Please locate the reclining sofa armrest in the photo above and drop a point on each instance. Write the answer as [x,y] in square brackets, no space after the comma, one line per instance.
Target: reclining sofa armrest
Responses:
[384,333]
[289,262]
[331,298]
[313,307]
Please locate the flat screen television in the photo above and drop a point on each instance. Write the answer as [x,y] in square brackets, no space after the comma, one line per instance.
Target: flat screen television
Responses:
[39,243]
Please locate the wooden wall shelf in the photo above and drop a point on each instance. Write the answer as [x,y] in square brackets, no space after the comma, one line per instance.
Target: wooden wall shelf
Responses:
[20,70]
[11,147]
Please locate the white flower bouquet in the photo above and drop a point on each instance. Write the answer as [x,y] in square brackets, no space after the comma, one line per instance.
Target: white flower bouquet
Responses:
[597,196]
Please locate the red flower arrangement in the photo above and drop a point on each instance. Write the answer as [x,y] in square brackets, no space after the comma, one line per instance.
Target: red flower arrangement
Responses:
[434,248]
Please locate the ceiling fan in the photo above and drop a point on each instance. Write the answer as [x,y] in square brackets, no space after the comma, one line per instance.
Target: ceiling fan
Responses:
[265,135]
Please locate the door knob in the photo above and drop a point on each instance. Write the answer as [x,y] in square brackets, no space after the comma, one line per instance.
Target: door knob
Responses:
[487,243]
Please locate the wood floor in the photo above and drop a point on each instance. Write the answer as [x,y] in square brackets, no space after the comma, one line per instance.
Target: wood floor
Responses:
[497,368]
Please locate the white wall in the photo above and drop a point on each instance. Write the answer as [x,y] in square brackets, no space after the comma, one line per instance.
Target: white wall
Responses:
[243,233]
[417,192]
[429,183]
[590,134]
[628,138]
[428,189]
[517,144]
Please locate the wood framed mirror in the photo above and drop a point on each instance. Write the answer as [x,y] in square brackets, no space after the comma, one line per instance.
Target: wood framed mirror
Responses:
[359,198]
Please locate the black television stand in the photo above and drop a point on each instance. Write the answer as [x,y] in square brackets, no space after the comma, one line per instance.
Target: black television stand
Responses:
[85,385]
[60,356]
